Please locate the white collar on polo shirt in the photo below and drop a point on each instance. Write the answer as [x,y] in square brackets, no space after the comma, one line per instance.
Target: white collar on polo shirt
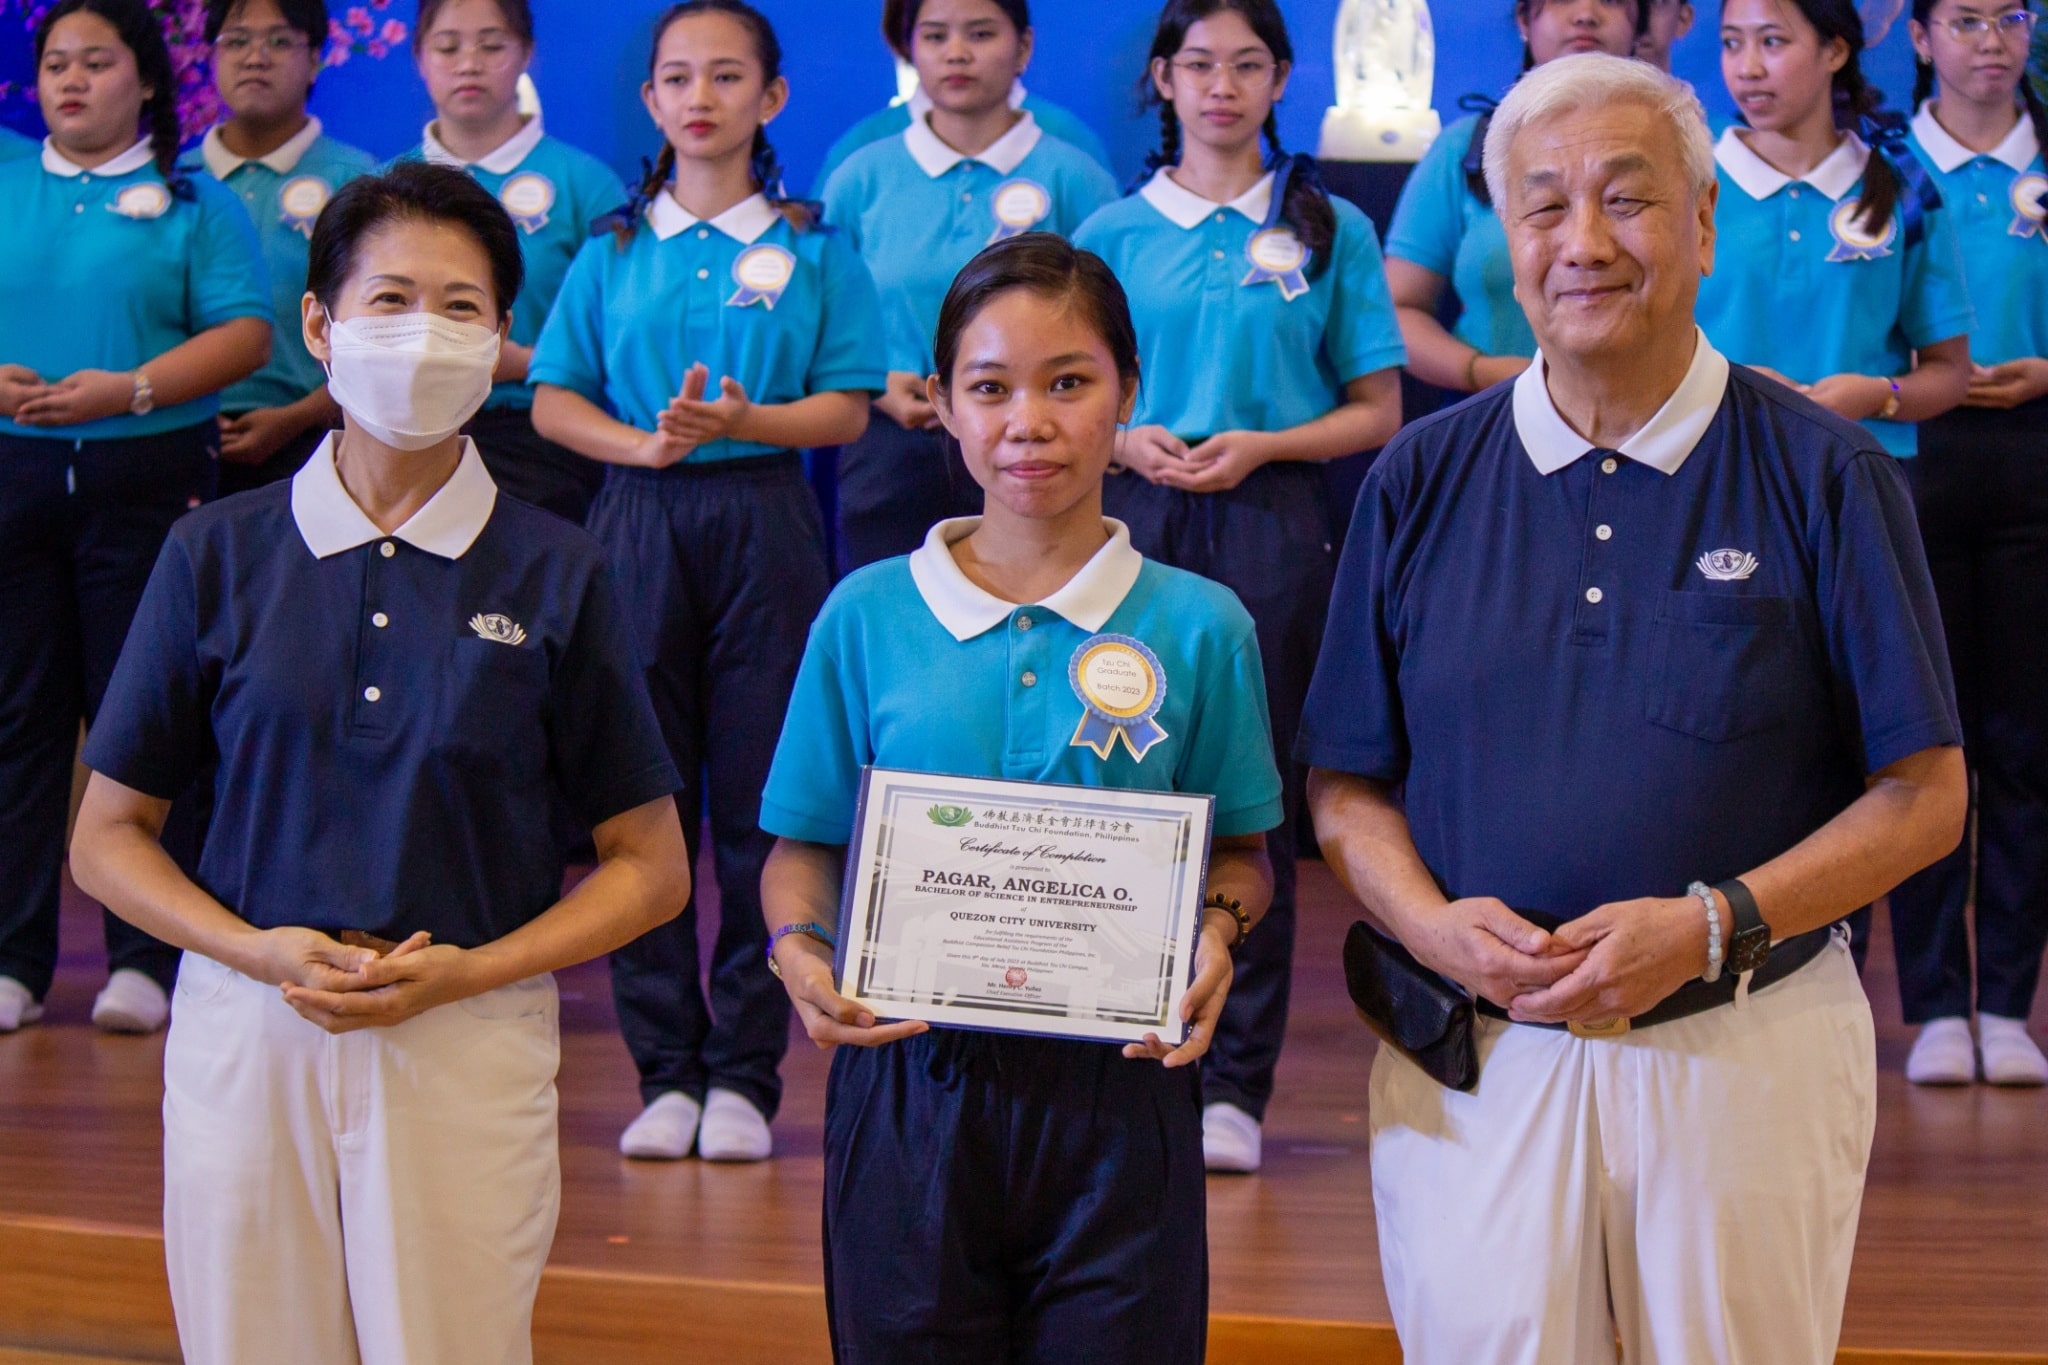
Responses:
[134,159]
[224,163]
[1759,179]
[1087,600]
[1003,156]
[2016,152]
[503,160]
[920,103]
[1664,441]
[744,222]
[1183,208]
[329,520]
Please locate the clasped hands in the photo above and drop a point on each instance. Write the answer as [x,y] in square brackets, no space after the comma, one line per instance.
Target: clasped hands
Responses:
[86,396]
[1614,963]
[691,420]
[343,988]
[1216,465]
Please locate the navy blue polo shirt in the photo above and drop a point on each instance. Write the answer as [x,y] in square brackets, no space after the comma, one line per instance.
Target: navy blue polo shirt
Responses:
[391,714]
[1598,674]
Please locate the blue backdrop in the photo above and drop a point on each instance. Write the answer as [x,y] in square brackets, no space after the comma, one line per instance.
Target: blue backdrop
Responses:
[592,56]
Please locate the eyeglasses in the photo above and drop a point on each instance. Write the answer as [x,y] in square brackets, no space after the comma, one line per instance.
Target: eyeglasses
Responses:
[278,42]
[2013,24]
[1252,73]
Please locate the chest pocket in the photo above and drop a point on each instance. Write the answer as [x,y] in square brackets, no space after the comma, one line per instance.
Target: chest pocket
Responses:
[1723,667]
[493,712]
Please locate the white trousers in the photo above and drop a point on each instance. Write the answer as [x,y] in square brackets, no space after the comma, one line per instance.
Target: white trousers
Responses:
[1692,1187]
[386,1196]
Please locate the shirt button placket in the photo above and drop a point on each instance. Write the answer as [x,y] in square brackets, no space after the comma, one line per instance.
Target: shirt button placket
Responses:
[1030,684]
[374,676]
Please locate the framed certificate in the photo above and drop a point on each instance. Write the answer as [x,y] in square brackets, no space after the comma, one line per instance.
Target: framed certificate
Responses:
[1023,907]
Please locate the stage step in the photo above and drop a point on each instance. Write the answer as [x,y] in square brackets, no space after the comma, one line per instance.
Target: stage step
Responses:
[78,1293]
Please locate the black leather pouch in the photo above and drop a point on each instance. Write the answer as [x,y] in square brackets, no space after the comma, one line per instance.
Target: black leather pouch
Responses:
[1411,1008]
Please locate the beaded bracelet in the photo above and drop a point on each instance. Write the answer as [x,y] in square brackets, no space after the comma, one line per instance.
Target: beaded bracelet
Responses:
[1705,894]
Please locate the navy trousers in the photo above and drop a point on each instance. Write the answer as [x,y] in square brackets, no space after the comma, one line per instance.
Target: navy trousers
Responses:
[722,568]
[1268,540]
[893,484]
[286,461]
[83,522]
[532,468]
[1002,1200]
[1980,485]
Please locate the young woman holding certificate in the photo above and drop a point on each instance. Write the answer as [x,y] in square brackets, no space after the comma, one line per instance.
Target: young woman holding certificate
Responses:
[991,1196]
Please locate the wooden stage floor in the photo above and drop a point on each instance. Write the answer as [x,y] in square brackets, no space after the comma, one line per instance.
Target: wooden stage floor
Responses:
[1952,1257]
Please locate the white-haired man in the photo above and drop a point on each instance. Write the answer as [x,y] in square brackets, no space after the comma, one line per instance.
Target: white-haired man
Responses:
[1643,646]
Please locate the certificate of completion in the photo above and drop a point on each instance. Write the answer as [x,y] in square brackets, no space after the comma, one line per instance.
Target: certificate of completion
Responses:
[1023,906]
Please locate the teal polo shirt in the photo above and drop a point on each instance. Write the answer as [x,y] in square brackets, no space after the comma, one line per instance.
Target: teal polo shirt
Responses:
[554,194]
[786,313]
[107,269]
[1777,299]
[13,145]
[912,666]
[1440,225]
[890,122]
[283,193]
[1995,200]
[917,211]
[1224,348]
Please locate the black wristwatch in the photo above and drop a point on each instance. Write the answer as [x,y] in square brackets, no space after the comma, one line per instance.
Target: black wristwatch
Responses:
[1749,947]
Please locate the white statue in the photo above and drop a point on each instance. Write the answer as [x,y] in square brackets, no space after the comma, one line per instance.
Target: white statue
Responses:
[1386,66]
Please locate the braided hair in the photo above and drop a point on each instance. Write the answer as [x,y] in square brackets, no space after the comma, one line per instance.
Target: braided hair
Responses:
[1923,80]
[765,166]
[1305,207]
[142,33]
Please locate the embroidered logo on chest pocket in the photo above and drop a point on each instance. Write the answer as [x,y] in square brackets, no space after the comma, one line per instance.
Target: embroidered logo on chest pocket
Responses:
[1726,566]
[503,629]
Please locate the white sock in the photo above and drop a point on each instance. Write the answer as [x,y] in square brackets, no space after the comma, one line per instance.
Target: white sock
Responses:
[733,1129]
[665,1130]
[17,1006]
[1942,1054]
[2010,1056]
[1231,1140]
[131,1002]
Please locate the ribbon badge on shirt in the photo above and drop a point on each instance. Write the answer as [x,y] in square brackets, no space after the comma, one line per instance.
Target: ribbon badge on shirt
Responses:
[762,273]
[1020,205]
[527,197]
[1277,256]
[1853,241]
[300,202]
[2030,206]
[1121,688]
[141,201]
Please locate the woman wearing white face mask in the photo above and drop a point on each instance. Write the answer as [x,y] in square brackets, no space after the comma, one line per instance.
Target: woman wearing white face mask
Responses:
[399,674]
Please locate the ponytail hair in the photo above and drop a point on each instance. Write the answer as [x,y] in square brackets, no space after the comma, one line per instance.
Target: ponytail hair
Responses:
[1302,203]
[142,33]
[1923,81]
[1857,108]
[801,214]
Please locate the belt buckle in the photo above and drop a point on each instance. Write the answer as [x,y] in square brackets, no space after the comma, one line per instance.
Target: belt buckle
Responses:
[1610,1028]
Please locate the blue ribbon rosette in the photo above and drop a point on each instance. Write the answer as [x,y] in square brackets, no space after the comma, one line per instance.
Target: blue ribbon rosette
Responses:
[1278,257]
[1121,687]
[2030,206]
[1020,205]
[300,202]
[527,197]
[1853,242]
[762,273]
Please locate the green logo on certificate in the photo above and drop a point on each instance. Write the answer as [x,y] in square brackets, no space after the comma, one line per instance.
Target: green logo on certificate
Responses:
[952,817]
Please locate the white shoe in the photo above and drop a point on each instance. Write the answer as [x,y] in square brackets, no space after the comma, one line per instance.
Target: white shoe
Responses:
[733,1129]
[17,1006]
[130,1002]
[2010,1056]
[1943,1054]
[665,1131]
[1230,1139]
